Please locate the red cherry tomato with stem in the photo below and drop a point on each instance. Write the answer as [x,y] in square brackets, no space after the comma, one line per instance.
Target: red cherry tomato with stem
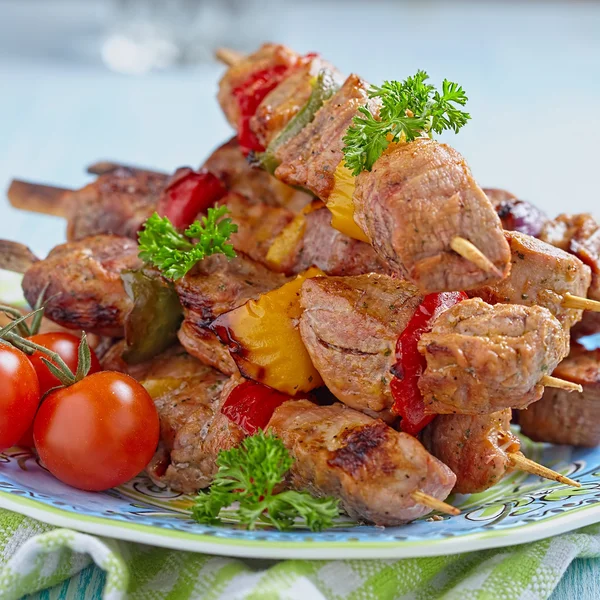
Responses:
[97,433]
[66,346]
[19,395]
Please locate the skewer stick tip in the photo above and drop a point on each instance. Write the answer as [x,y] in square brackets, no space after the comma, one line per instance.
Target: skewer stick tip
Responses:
[521,462]
[470,252]
[426,500]
[577,302]
[228,56]
[562,384]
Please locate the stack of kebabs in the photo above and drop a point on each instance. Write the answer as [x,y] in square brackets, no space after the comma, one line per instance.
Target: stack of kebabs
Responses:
[389,345]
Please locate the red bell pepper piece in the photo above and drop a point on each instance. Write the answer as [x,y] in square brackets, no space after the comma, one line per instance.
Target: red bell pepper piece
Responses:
[408,402]
[189,193]
[251,405]
[252,92]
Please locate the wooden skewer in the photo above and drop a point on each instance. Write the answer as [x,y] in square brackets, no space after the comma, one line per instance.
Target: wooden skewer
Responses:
[523,463]
[39,198]
[562,384]
[15,257]
[228,56]
[571,301]
[470,252]
[426,500]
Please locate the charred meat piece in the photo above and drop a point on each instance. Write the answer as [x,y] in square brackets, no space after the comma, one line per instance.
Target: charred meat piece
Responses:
[285,101]
[213,287]
[414,202]
[258,225]
[562,418]
[197,443]
[482,358]
[372,468]
[540,275]
[350,326]
[310,158]
[118,202]
[266,57]
[330,250]
[84,283]
[580,235]
[474,447]
[229,164]
[515,214]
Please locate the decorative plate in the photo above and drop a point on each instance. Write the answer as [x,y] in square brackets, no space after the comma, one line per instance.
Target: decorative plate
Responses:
[521,508]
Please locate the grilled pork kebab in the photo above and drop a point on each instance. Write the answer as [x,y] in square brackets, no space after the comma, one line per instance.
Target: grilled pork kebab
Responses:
[480,358]
[419,196]
[373,469]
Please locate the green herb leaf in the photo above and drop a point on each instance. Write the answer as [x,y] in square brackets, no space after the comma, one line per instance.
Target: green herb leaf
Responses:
[175,253]
[250,475]
[409,109]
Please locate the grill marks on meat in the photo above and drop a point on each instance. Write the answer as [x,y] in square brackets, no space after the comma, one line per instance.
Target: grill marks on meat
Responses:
[562,418]
[285,101]
[417,198]
[330,250]
[474,447]
[310,158]
[118,202]
[84,284]
[229,164]
[372,468]
[580,235]
[267,56]
[482,358]
[350,326]
[540,275]
[215,286]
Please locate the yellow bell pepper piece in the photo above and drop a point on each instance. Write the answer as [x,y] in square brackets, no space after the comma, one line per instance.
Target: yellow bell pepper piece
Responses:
[341,205]
[263,338]
[285,243]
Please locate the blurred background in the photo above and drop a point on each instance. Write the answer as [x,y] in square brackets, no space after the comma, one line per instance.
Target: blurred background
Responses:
[134,80]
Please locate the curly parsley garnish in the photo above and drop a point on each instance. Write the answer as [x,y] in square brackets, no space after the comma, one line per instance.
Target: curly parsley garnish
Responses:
[409,109]
[175,254]
[249,475]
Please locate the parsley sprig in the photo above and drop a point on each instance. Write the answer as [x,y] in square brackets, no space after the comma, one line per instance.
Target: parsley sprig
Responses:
[409,109]
[175,254]
[249,475]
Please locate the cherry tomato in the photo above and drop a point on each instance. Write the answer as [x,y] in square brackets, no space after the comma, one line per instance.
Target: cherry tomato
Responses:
[66,346]
[19,395]
[98,433]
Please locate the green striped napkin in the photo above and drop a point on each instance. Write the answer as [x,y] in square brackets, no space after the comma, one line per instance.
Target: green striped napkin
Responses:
[35,556]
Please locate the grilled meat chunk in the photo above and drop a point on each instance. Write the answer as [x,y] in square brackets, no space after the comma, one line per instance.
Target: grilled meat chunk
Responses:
[482,358]
[330,250]
[266,57]
[372,468]
[285,101]
[580,235]
[540,275]
[350,326]
[416,199]
[474,447]
[213,287]
[198,442]
[515,214]
[310,158]
[118,202]
[84,284]
[229,164]
[562,418]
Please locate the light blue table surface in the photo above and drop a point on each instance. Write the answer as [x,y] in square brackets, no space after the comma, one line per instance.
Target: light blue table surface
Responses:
[531,70]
